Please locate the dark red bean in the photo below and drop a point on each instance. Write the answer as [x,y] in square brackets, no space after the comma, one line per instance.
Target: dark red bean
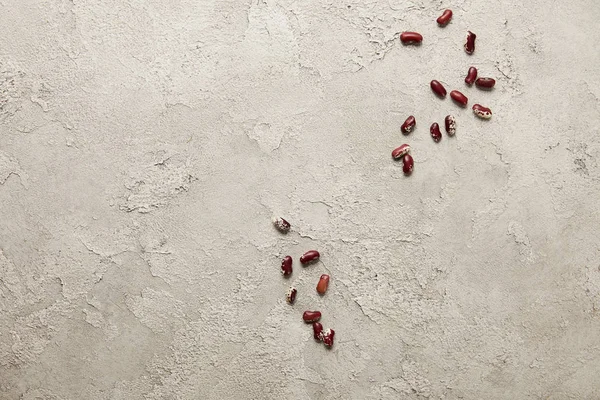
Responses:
[309,256]
[470,43]
[291,295]
[411,38]
[407,164]
[286,266]
[318,331]
[328,337]
[400,152]
[459,98]
[445,18]
[485,83]
[482,112]
[471,76]
[435,132]
[311,316]
[408,125]
[438,88]
[450,123]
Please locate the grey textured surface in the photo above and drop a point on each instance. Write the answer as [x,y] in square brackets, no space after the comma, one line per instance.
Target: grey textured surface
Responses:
[145,144]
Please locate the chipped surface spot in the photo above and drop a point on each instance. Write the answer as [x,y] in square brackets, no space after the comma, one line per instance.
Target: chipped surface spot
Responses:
[154,186]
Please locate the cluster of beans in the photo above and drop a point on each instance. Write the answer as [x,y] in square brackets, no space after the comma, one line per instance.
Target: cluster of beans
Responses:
[310,257]
[399,153]
[414,38]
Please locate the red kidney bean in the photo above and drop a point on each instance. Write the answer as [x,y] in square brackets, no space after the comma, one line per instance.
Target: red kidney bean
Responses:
[408,125]
[309,256]
[323,284]
[435,132]
[407,164]
[470,43]
[411,38]
[459,97]
[445,18]
[311,316]
[482,112]
[400,152]
[281,224]
[438,88]
[318,331]
[328,337]
[450,123]
[485,83]
[291,295]
[286,266]
[471,76]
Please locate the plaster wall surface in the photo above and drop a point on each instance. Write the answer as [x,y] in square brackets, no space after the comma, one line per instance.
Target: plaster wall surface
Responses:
[145,145]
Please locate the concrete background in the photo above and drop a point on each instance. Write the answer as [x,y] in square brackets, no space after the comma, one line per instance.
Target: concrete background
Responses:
[145,145]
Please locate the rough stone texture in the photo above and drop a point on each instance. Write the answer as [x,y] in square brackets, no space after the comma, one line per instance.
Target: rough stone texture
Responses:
[145,145]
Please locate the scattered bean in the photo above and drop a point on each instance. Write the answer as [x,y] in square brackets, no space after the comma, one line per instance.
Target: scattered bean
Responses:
[408,125]
[309,257]
[470,43]
[328,337]
[411,38]
[482,112]
[400,152]
[485,83]
[435,132]
[286,266]
[438,88]
[318,331]
[323,284]
[459,98]
[445,18]
[450,123]
[471,76]
[291,295]
[408,164]
[281,224]
[311,316]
